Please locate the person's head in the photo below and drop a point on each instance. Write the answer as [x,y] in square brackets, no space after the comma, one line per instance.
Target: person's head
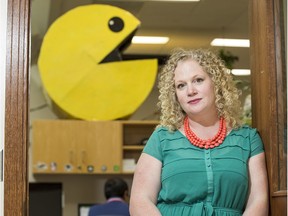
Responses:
[224,96]
[116,187]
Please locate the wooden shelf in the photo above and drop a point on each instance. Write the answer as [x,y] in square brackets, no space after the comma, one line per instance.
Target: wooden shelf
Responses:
[134,133]
[133,147]
[128,173]
[62,146]
[76,146]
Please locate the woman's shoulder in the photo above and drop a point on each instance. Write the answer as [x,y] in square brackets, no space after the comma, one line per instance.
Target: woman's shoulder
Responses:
[162,130]
[163,133]
[245,131]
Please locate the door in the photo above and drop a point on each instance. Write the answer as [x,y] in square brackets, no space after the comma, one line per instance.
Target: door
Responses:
[3,25]
[269,92]
[16,108]
[55,146]
[102,150]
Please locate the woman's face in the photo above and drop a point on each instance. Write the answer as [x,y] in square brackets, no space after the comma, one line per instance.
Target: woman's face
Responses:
[194,88]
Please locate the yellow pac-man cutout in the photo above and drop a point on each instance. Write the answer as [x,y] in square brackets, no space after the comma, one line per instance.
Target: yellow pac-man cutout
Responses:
[81,68]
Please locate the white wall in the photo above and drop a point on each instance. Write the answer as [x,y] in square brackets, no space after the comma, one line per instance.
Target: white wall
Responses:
[40,15]
[3,31]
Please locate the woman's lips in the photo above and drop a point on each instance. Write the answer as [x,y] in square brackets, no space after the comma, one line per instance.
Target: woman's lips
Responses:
[195,101]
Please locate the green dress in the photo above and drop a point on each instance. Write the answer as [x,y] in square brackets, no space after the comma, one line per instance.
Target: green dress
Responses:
[202,182]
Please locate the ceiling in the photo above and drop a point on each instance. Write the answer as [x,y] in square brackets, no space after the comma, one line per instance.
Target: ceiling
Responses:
[187,24]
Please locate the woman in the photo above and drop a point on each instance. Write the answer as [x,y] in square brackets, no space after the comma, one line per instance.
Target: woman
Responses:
[200,160]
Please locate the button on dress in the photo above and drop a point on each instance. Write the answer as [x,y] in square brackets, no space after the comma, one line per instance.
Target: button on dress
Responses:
[202,182]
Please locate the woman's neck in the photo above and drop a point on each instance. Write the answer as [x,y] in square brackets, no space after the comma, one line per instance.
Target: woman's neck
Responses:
[204,128]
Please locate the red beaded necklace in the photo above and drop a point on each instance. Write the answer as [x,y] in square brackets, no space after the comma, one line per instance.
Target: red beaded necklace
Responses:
[207,144]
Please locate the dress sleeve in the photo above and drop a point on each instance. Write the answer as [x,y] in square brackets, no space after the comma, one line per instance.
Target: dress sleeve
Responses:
[256,143]
[153,146]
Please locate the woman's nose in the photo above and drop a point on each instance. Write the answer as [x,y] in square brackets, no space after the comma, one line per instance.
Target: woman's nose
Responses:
[191,90]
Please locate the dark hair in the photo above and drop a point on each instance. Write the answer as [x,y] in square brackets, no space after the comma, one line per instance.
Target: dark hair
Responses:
[115,187]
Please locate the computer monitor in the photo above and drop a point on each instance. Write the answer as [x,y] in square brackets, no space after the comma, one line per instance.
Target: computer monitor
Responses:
[83,208]
[45,199]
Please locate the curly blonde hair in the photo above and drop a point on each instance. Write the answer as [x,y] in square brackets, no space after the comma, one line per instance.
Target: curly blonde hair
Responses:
[227,95]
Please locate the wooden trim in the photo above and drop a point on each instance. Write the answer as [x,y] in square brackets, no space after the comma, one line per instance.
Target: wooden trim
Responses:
[280,193]
[263,80]
[263,77]
[266,80]
[16,108]
[281,93]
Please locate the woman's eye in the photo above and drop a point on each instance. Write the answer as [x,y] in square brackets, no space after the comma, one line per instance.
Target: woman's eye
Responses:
[179,86]
[198,80]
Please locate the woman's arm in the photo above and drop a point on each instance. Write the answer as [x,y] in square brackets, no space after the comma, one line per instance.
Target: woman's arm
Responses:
[145,187]
[258,201]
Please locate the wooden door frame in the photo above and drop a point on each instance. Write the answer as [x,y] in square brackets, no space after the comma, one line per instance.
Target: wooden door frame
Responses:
[264,72]
[16,108]
[266,81]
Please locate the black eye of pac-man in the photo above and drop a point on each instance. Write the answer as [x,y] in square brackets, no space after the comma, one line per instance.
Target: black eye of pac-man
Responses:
[116,24]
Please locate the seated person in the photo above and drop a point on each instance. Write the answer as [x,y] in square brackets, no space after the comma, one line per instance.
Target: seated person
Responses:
[116,193]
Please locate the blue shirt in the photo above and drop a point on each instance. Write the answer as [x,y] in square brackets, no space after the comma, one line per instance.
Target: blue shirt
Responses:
[113,207]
